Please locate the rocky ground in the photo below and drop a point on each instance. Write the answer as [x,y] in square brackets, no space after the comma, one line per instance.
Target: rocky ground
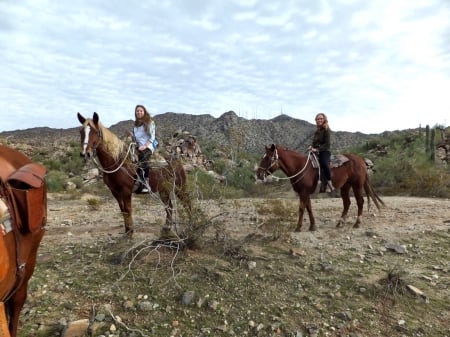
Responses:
[251,276]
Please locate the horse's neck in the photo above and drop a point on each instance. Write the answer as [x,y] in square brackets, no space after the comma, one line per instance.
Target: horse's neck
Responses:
[105,158]
[111,149]
[290,164]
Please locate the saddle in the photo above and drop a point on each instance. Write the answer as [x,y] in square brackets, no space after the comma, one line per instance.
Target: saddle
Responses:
[23,210]
[24,191]
[336,160]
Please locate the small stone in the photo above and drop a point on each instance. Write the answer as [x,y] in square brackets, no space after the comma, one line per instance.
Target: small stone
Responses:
[100,317]
[188,297]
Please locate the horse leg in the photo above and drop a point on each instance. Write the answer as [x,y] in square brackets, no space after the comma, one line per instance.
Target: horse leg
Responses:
[13,307]
[345,195]
[305,202]
[312,221]
[301,211]
[15,304]
[165,198]
[127,212]
[358,192]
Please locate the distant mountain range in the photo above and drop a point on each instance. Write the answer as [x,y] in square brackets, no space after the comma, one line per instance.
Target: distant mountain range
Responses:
[229,129]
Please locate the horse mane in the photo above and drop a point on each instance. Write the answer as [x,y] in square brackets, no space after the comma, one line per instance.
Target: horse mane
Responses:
[112,144]
[293,152]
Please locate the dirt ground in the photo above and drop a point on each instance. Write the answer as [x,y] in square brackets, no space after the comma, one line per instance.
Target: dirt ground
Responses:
[322,283]
[74,219]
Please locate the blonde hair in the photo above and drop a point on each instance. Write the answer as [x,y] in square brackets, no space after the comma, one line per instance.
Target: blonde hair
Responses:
[325,124]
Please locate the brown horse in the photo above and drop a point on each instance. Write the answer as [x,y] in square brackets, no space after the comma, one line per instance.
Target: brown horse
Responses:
[119,171]
[23,214]
[304,177]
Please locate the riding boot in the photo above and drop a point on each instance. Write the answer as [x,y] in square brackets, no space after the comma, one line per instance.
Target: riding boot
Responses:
[323,186]
[139,183]
[329,186]
[145,181]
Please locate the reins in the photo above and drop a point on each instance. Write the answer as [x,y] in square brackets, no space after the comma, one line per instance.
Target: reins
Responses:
[296,174]
[99,166]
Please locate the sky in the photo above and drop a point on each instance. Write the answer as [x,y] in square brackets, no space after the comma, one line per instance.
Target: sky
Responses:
[371,66]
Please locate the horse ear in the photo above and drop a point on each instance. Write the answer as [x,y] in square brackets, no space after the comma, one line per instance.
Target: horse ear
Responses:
[272,147]
[81,118]
[95,118]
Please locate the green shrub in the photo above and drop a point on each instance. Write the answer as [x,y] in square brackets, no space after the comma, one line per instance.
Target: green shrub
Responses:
[204,186]
[55,180]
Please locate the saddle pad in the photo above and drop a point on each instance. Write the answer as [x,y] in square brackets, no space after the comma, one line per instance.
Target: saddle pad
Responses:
[338,160]
[31,174]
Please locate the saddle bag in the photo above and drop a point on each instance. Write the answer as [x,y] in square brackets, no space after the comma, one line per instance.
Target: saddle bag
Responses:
[29,197]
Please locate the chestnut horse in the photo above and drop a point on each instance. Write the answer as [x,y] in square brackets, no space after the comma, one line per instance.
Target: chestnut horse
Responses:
[119,171]
[23,214]
[304,178]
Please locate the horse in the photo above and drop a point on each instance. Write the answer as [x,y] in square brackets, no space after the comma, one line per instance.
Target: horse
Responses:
[23,216]
[119,171]
[304,176]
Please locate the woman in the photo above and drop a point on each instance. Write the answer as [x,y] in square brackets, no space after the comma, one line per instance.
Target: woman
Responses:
[321,144]
[146,143]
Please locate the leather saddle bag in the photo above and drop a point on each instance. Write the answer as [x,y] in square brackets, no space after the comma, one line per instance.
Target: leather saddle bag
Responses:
[29,196]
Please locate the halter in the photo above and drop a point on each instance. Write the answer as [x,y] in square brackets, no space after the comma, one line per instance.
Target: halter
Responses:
[273,162]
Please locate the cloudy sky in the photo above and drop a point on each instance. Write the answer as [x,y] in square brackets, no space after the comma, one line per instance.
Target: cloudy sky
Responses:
[370,65]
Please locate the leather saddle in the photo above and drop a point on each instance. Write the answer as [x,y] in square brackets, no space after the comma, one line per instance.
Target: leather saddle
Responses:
[23,210]
[24,192]
[336,160]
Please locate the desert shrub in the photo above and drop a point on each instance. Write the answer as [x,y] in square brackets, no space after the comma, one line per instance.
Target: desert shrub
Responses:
[204,186]
[221,166]
[53,164]
[78,181]
[429,181]
[242,178]
[97,188]
[55,180]
[276,217]
[94,203]
[406,169]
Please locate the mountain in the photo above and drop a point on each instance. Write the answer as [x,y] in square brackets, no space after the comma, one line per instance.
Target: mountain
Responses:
[229,129]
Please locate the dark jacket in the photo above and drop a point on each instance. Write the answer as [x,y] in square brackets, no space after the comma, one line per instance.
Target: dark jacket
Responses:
[322,139]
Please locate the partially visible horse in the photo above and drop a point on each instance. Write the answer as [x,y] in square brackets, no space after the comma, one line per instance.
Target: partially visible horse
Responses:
[119,171]
[23,215]
[304,177]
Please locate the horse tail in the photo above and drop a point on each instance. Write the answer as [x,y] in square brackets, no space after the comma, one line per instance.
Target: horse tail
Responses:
[371,194]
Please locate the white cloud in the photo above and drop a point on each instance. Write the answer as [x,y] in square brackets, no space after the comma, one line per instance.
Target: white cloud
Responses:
[372,66]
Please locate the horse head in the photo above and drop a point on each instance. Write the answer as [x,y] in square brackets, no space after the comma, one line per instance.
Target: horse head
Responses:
[268,164]
[90,135]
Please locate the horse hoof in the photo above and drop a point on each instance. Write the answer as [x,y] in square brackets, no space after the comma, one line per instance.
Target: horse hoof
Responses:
[356,225]
[339,225]
[298,229]
[128,234]
[312,229]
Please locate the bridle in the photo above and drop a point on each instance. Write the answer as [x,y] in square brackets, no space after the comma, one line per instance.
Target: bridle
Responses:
[274,160]
[87,131]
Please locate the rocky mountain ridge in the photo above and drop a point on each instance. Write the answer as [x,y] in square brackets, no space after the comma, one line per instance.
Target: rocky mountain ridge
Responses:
[249,135]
